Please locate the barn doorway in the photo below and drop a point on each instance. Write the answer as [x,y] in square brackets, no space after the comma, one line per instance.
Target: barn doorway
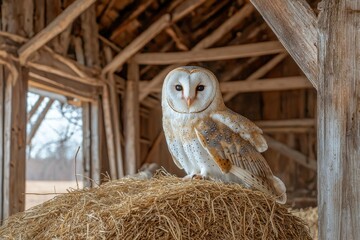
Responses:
[54,140]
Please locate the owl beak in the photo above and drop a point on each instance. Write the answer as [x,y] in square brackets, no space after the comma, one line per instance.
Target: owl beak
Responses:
[189,101]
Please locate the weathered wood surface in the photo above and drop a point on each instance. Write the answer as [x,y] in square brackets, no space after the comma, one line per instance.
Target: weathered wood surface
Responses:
[163,22]
[13,90]
[13,158]
[259,85]
[54,28]
[208,41]
[295,24]
[339,120]
[112,123]
[297,156]
[259,73]
[212,54]
[131,120]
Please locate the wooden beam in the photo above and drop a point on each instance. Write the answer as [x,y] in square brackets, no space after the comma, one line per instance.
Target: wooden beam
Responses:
[260,85]
[139,10]
[13,141]
[54,28]
[208,41]
[38,121]
[304,122]
[43,93]
[270,84]
[109,131]
[63,86]
[259,73]
[131,121]
[295,24]
[212,54]
[35,107]
[339,120]
[118,165]
[293,154]
[157,27]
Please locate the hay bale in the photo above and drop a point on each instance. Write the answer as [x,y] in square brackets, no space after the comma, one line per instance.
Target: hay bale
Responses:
[310,217]
[164,207]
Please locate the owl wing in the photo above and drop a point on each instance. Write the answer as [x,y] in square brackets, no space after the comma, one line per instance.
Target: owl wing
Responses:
[173,144]
[243,126]
[234,154]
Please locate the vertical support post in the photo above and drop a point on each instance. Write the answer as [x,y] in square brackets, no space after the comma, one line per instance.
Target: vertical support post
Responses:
[131,121]
[13,141]
[110,95]
[92,129]
[91,141]
[339,120]
[13,88]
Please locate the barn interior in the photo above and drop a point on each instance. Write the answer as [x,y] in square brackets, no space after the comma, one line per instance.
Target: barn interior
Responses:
[110,57]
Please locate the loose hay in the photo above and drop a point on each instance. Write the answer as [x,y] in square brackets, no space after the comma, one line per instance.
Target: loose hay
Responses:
[164,207]
[310,217]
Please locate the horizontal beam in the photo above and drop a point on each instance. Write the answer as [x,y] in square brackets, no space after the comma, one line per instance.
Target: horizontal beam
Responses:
[50,82]
[212,54]
[206,42]
[59,24]
[261,85]
[51,95]
[265,85]
[285,150]
[303,122]
[295,25]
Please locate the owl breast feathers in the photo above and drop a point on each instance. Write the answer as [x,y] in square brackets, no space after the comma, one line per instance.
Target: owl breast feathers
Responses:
[207,139]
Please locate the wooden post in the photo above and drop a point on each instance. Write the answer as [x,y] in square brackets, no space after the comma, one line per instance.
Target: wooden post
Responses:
[339,120]
[131,121]
[94,144]
[114,100]
[13,143]
[13,89]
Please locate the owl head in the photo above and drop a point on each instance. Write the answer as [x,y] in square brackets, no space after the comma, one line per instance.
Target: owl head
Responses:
[190,89]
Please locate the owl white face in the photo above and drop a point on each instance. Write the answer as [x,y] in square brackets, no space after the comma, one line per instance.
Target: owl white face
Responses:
[189,89]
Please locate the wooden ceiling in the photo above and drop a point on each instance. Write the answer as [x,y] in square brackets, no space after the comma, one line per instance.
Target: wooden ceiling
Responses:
[204,24]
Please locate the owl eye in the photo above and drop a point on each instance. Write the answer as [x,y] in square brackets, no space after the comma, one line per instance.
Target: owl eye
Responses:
[178,88]
[200,88]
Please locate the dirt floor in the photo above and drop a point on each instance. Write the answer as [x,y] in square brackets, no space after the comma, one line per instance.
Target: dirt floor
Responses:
[40,191]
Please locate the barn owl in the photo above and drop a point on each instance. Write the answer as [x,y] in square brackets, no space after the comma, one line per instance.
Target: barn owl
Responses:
[207,139]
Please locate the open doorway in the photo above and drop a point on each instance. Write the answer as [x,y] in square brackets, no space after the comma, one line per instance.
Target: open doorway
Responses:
[53,154]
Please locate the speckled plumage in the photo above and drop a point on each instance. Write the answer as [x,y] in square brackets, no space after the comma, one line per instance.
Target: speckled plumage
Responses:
[207,139]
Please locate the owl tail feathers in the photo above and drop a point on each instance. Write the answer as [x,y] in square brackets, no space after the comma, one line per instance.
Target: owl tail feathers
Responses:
[272,186]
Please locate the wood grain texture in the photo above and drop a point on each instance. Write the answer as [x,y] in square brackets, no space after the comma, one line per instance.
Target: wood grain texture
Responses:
[131,121]
[212,54]
[295,24]
[139,42]
[54,28]
[206,42]
[339,120]
[293,154]
[260,85]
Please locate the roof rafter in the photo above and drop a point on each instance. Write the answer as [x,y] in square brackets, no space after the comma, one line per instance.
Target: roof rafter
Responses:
[59,24]
[157,27]
[295,24]
[208,41]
